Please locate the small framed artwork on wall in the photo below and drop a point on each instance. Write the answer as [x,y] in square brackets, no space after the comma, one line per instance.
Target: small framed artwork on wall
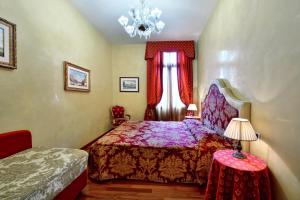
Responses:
[76,78]
[8,49]
[129,84]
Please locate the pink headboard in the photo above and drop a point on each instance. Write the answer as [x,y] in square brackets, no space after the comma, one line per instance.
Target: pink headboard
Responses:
[216,112]
[14,142]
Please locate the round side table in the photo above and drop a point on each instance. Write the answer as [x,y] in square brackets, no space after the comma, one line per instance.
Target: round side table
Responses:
[233,178]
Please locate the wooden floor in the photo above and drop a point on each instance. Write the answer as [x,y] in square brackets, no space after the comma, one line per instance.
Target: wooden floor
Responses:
[137,190]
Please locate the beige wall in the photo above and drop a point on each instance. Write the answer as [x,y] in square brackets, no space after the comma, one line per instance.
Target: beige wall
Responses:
[128,60]
[32,97]
[255,45]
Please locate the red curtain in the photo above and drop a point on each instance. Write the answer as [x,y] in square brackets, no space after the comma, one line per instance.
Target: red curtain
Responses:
[185,77]
[153,55]
[154,85]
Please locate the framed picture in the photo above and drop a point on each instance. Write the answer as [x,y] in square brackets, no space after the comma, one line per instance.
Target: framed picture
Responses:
[8,57]
[76,78]
[129,84]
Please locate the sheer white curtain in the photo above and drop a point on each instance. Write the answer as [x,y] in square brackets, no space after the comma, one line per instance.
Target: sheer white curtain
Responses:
[170,108]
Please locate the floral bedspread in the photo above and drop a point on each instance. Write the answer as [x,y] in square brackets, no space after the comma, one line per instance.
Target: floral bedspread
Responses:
[40,173]
[155,151]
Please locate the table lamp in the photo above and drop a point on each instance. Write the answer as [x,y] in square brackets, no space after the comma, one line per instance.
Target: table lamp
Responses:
[240,129]
[191,109]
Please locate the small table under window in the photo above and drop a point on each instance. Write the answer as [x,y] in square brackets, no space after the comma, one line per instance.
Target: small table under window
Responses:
[192,117]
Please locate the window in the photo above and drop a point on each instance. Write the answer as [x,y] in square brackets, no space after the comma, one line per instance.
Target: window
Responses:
[170,107]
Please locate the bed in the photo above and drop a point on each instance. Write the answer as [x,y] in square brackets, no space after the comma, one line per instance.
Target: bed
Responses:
[28,172]
[168,151]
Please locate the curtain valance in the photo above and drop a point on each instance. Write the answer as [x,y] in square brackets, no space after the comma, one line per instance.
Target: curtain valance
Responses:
[188,47]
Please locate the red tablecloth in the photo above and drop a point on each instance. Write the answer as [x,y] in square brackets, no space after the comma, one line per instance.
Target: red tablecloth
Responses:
[233,178]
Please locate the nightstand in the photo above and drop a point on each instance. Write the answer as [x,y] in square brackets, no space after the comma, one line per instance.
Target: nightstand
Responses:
[234,178]
[192,117]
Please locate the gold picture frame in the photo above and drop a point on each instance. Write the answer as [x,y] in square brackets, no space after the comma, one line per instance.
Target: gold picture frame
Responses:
[76,78]
[8,44]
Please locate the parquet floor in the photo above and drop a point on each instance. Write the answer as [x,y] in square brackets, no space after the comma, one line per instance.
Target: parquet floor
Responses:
[138,190]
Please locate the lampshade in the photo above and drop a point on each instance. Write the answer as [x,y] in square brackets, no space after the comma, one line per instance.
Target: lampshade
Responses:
[192,107]
[240,129]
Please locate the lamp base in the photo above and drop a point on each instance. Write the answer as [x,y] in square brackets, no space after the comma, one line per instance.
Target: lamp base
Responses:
[190,113]
[239,155]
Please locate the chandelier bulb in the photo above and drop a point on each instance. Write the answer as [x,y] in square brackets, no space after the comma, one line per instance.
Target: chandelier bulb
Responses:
[123,20]
[160,26]
[129,29]
[156,13]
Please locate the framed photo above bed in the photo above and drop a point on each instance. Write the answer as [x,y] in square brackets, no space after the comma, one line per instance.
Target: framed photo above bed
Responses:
[76,78]
[8,57]
[129,84]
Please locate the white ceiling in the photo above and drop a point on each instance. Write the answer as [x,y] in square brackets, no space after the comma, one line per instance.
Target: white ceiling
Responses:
[185,19]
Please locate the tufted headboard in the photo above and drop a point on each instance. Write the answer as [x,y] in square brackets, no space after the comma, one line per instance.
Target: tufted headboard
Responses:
[220,105]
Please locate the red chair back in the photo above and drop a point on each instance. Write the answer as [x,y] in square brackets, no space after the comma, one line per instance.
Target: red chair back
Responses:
[118,111]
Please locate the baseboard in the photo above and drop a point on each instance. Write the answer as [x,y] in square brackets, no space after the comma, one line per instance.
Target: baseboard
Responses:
[88,144]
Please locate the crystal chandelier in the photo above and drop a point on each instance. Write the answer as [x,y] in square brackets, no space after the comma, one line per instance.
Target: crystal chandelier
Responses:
[145,20]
